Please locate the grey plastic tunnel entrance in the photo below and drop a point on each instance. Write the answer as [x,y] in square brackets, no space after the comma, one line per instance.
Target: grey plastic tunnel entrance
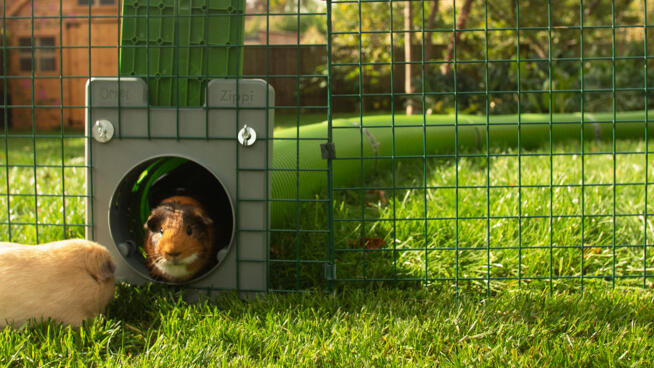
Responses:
[148,184]
[138,154]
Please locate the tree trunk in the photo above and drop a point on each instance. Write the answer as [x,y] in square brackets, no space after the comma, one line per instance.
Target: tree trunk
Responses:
[431,24]
[463,19]
[408,85]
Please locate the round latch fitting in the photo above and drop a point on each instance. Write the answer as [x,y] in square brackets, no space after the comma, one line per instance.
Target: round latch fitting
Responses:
[126,248]
[102,131]
[247,136]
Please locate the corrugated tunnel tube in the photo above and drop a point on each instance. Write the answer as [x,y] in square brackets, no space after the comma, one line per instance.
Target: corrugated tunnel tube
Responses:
[372,142]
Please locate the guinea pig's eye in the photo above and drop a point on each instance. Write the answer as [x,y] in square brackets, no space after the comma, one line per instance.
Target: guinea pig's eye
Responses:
[189,230]
[161,231]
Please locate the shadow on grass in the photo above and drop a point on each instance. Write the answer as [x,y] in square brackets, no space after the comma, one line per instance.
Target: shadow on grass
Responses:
[146,308]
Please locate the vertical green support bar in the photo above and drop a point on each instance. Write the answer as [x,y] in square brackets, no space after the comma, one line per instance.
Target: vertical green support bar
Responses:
[486,107]
[237,236]
[205,64]
[456,150]
[6,117]
[298,264]
[646,96]
[118,87]
[613,131]
[549,93]
[179,80]
[205,72]
[237,77]
[424,140]
[34,129]
[330,176]
[269,142]
[88,138]
[517,22]
[581,140]
[269,138]
[362,233]
[61,122]
[148,51]
[393,174]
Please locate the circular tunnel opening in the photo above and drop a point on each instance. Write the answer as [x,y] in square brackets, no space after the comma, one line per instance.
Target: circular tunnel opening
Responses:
[144,188]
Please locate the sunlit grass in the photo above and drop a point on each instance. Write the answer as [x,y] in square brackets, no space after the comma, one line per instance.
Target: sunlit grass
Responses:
[550,221]
[47,189]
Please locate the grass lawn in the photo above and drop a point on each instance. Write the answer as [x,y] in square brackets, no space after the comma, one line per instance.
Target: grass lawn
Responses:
[154,327]
[541,251]
[516,220]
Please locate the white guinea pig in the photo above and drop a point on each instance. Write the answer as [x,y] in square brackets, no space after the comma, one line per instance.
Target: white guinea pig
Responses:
[67,281]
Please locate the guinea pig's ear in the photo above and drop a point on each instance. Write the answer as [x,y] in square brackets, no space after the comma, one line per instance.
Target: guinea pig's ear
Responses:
[151,223]
[156,217]
[107,270]
[99,264]
[207,220]
[203,217]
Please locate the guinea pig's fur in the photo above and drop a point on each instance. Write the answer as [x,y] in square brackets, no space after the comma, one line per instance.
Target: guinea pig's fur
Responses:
[179,239]
[68,281]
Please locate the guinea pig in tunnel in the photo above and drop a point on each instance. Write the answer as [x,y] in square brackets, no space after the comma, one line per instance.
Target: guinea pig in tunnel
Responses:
[180,239]
[185,228]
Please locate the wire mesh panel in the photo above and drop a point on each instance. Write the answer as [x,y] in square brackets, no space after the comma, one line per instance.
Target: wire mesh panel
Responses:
[44,72]
[496,144]
[172,50]
[473,144]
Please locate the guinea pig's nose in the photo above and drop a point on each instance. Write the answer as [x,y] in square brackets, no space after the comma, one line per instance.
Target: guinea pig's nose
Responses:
[173,254]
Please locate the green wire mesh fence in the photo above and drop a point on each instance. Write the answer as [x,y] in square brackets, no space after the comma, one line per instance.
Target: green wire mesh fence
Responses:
[536,188]
[472,144]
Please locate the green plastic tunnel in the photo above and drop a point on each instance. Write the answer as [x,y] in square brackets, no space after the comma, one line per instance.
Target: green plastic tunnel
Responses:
[299,169]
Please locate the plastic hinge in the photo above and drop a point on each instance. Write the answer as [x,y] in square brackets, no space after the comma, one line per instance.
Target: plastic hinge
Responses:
[328,150]
[329,271]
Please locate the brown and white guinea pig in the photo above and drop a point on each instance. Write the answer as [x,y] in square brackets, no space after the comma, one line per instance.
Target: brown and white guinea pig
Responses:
[179,239]
[68,281]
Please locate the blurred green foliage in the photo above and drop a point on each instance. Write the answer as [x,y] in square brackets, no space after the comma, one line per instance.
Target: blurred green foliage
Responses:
[509,57]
